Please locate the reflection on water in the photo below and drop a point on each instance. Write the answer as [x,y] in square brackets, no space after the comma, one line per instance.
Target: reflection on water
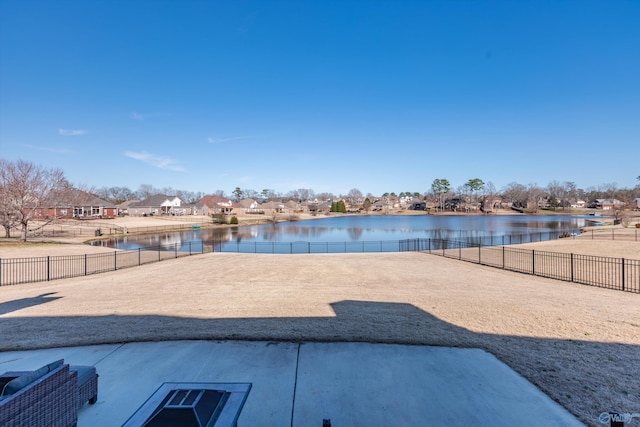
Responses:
[475,229]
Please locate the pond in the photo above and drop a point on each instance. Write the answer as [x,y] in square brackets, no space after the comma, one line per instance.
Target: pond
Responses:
[373,233]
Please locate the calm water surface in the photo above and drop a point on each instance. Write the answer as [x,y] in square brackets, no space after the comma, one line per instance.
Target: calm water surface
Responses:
[359,230]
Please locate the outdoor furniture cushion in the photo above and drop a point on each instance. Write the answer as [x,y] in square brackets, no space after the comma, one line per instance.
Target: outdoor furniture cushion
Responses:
[85,373]
[50,400]
[27,378]
[87,384]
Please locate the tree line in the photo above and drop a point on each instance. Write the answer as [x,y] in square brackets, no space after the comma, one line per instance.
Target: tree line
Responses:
[25,187]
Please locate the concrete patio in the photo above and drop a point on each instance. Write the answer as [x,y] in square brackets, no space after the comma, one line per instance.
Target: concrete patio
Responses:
[353,384]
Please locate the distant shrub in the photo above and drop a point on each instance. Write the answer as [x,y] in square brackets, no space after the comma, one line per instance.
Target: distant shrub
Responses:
[233,220]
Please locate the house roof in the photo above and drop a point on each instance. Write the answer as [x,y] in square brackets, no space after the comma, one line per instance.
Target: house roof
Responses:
[128,203]
[155,200]
[272,205]
[83,198]
[215,201]
[246,203]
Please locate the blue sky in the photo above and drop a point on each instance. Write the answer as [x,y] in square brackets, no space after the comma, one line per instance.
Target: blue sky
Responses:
[382,96]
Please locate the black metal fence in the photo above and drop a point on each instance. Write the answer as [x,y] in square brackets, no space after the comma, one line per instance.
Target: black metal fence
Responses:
[304,247]
[623,234]
[15,271]
[613,273]
[604,272]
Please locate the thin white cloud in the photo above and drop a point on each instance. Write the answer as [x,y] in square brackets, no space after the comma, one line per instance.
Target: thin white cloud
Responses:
[160,162]
[212,140]
[135,115]
[71,132]
[48,149]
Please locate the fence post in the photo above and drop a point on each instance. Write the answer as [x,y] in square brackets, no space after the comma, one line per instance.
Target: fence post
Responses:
[480,252]
[572,276]
[48,268]
[175,249]
[139,259]
[115,260]
[533,262]
[85,264]
[503,263]
[623,274]
[429,244]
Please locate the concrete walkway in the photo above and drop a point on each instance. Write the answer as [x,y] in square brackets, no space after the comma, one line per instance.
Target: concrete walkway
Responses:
[353,384]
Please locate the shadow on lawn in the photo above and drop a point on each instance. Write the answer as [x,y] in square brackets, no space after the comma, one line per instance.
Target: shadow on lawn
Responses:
[586,377]
[19,304]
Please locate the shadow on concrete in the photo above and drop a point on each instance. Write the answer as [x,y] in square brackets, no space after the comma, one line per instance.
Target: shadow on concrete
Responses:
[586,377]
[19,304]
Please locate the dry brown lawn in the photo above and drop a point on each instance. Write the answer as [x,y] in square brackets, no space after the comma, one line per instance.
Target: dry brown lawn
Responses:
[579,344]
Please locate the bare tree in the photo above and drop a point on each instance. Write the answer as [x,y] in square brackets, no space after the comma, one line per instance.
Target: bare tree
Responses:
[354,196]
[516,194]
[28,188]
[489,196]
[250,193]
[323,197]
[115,194]
[534,193]
[8,217]
[571,193]
[189,196]
[556,192]
[145,191]
[301,194]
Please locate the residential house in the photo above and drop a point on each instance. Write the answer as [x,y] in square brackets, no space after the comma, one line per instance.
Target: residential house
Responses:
[94,207]
[195,209]
[490,203]
[606,204]
[249,206]
[79,204]
[273,207]
[293,206]
[380,205]
[159,204]
[217,204]
[123,208]
[417,205]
